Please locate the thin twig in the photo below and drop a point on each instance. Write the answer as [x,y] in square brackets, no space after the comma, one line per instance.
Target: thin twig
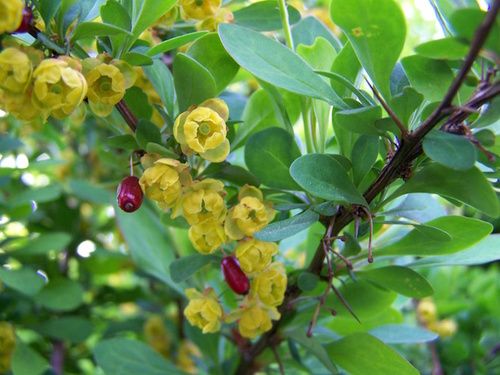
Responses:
[278,359]
[390,112]
[127,115]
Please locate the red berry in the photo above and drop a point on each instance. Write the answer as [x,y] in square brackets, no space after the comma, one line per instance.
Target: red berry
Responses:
[235,277]
[25,25]
[129,194]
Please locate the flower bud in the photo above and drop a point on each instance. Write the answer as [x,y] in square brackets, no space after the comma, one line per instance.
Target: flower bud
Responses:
[234,276]
[11,15]
[129,194]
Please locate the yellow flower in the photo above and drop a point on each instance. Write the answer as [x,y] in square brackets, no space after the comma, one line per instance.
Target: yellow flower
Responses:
[426,310]
[57,88]
[270,284]
[203,130]
[11,15]
[188,351]
[223,15]
[253,318]
[203,310]
[199,9]
[203,202]
[7,345]
[255,255]
[250,215]
[19,105]
[156,335]
[444,328]
[163,181]
[15,70]
[207,237]
[168,19]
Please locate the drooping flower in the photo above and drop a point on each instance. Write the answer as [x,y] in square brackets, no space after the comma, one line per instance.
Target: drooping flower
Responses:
[163,181]
[57,88]
[207,237]
[270,284]
[11,15]
[15,70]
[203,201]
[255,255]
[250,215]
[203,310]
[157,335]
[203,130]
[199,9]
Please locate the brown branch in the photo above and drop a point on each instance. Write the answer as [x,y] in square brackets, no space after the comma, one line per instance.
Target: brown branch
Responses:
[404,156]
[127,115]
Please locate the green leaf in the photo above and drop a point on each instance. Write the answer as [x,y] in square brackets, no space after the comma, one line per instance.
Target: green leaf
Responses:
[485,251]
[163,82]
[60,295]
[286,228]
[112,12]
[183,268]
[443,49]
[464,232]
[337,79]
[44,243]
[260,112]
[147,12]
[87,191]
[131,357]
[313,347]
[429,77]
[24,280]
[269,154]
[365,299]
[48,9]
[403,334]
[174,43]
[490,115]
[73,329]
[324,177]
[209,52]
[9,143]
[402,280]
[137,59]
[465,22]
[93,29]
[193,82]
[39,195]
[124,141]
[26,361]
[376,30]
[451,150]
[137,101]
[469,187]
[309,28]
[147,241]
[147,132]
[361,354]
[347,65]
[364,156]
[274,63]
[155,148]
[264,16]
[405,104]
[307,281]
[232,173]
[359,120]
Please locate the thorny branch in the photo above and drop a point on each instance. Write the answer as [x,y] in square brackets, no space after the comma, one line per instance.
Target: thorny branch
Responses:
[409,149]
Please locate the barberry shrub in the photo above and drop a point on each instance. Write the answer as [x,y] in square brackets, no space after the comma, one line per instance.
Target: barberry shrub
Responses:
[200,186]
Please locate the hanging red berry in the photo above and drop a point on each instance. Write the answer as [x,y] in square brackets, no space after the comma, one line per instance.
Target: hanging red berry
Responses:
[234,276]
[129,194]
[25,25]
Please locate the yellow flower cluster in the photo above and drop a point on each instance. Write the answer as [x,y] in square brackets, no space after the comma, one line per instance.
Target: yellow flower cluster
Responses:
[202,129]
[31,87]
[208,12]
[427,314]
[7,345]
[11,15]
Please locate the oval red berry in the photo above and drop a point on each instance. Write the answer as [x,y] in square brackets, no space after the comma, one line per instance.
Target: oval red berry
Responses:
[129,194]
[234,276]
[25,25]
